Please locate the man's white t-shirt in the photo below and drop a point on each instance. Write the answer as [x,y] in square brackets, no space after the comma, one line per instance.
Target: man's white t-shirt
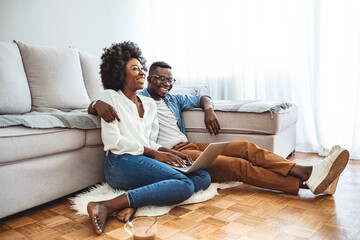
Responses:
[169,132]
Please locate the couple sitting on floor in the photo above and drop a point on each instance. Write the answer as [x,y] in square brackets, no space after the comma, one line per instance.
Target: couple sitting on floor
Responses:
[142,130]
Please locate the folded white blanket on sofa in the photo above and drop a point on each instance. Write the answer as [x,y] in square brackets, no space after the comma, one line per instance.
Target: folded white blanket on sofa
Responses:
[51,117]
[251,106]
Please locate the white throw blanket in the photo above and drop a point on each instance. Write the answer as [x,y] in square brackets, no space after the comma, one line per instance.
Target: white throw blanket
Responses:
[251,106]
[103,191]
[51,117]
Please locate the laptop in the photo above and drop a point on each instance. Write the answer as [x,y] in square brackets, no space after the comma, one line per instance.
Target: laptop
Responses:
[206,158]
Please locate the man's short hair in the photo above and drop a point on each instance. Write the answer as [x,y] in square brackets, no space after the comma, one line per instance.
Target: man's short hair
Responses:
[113,65]
[158,64]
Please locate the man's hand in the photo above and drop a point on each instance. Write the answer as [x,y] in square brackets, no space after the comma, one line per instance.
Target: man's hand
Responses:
[211,122]
[106,111]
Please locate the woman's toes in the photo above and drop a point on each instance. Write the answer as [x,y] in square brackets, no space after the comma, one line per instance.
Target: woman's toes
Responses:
[98,215]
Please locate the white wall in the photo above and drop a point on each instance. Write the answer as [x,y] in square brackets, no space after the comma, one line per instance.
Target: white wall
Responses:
[89,25]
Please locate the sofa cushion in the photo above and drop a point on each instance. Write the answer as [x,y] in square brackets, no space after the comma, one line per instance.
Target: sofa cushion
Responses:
[90,66]
[93,137]
[282,144]
[14,89]
[54,76]
[24,143]
[28,184]
[243,122]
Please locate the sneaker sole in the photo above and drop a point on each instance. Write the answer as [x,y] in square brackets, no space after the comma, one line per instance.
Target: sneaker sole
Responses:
[335,170]
[332,188]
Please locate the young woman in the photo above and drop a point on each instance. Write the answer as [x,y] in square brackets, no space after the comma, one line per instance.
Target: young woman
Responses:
[134,160]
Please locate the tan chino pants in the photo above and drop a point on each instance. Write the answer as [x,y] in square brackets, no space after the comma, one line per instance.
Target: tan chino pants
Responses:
[246,162]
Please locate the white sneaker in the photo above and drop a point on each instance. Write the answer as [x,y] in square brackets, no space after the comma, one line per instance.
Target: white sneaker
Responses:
[334,149]
[325,173]
[332,187]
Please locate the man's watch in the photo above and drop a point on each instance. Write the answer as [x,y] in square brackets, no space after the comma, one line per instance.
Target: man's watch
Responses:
[93,105]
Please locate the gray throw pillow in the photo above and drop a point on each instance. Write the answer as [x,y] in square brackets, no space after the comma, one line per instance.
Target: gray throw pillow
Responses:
[14,89]
[54,76]
[90,66]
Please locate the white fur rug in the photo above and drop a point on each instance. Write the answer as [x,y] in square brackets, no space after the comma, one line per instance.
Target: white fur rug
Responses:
[103,191]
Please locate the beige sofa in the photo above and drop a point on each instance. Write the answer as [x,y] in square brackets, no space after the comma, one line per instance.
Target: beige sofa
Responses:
[270,125]
[40,163]
[50,147]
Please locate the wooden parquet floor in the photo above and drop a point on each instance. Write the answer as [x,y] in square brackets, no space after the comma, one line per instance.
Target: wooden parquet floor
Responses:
[244,212]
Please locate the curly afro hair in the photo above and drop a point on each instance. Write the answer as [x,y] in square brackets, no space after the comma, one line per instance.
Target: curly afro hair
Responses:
[113,65]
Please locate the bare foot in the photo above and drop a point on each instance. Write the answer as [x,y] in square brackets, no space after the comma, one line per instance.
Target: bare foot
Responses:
[98,214]
[125,214]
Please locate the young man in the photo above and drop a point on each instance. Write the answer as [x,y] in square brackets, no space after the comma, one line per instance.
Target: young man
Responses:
[241,160]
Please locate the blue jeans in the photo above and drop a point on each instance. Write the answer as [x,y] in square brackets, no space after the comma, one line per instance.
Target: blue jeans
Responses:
[151,182]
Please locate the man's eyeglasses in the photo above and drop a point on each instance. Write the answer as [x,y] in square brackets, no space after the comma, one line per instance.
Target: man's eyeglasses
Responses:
[164,79]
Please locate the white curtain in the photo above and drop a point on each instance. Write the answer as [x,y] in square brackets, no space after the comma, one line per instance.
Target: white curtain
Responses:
[301,51]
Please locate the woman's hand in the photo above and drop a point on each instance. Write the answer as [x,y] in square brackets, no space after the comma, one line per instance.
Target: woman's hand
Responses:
[183,156]
[167,157]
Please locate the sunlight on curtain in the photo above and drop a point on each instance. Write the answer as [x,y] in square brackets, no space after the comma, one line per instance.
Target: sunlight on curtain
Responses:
[338,81]
[301,51]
